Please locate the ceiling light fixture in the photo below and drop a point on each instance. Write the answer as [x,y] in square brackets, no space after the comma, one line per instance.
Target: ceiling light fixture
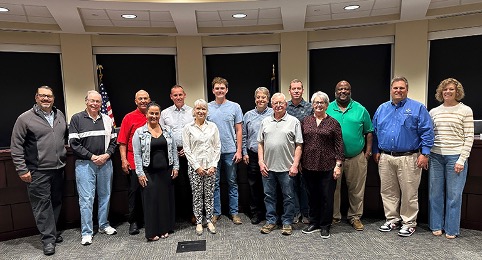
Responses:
[351,7]
[129,16]
[239,15]
[4,9]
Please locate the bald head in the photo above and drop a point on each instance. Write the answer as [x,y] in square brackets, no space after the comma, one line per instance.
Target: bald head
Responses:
[142,100]
[343,93]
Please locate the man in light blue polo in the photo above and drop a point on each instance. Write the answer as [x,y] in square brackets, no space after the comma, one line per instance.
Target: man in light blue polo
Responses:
[228,117]
[356,126]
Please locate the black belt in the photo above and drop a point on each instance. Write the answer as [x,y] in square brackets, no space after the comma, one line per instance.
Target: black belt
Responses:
[400,153]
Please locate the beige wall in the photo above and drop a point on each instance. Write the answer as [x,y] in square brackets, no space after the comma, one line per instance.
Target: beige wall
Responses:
[78,68]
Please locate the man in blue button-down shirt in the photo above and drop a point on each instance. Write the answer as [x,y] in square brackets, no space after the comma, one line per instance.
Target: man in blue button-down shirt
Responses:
[402,139]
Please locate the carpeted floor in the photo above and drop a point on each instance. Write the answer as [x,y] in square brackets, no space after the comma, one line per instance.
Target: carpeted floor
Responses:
[246,242]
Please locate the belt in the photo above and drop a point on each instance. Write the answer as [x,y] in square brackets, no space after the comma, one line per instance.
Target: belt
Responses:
[400,153]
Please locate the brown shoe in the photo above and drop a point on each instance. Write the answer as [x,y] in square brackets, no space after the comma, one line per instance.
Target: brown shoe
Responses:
[357,225]
[266,229]
[193,220]
[286,230]
[237,220]
[215,219]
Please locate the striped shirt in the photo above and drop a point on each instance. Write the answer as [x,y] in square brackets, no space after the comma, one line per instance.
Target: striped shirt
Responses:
[89,136]
[454,131]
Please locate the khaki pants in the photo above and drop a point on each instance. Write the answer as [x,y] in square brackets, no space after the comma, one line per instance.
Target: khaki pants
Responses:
[355,171]
[399,181]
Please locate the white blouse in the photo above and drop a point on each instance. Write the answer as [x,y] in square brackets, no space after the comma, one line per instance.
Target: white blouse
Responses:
[201,145]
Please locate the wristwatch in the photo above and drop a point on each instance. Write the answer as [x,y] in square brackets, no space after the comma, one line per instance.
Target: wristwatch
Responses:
[426,155]
[338,165]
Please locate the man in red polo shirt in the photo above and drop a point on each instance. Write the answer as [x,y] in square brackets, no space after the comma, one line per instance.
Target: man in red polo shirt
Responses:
[130,123]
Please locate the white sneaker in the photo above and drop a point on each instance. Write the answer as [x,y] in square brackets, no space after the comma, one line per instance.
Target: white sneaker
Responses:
[108,230]
[86,240]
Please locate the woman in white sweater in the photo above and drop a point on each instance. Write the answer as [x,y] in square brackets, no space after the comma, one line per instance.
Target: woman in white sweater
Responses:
[454,135]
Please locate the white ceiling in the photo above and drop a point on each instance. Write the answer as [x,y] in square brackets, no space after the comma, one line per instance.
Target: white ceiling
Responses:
[206,17]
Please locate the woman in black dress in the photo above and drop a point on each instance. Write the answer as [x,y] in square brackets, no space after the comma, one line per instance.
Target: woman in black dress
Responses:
[157,164]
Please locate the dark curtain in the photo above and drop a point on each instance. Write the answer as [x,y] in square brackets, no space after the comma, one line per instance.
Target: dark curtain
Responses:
[21,74]
[459,58]
[244,72]
[366,68]
[125,74]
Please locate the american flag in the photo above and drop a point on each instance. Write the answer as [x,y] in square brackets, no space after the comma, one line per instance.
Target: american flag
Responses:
[106,108]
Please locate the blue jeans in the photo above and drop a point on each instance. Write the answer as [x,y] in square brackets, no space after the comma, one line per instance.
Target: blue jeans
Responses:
[89,178]
[226,160]
[445,193]
[301,196]
[269,185]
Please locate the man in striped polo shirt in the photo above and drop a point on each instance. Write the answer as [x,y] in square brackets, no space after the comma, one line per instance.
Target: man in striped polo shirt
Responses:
[93,140]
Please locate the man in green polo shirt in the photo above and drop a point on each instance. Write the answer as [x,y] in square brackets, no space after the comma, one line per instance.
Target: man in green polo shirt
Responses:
[356,126]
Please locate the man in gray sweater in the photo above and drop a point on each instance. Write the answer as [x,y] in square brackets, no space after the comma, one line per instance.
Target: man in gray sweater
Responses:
[38,152]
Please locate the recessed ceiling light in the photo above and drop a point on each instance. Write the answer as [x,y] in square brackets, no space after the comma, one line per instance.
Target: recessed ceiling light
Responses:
[239,16]
[351,7]
[129,16]
[4,9]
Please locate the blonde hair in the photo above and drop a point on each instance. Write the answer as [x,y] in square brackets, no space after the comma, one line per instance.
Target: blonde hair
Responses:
[459,89]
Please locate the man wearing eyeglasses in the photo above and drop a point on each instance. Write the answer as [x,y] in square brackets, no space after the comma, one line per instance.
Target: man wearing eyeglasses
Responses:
[38,152]
[279,153]
[356,125]
[93,140]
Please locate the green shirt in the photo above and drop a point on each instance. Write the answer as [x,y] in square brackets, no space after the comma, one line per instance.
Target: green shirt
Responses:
[355,124]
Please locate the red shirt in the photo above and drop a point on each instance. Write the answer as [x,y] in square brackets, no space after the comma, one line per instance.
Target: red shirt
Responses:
[130,123]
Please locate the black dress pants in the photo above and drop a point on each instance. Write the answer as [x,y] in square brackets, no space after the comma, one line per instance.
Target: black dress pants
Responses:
[136,214]
[321,191]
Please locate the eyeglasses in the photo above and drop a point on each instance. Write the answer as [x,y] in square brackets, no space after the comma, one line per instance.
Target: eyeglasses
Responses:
[317,103]
[45,96]
[279,103]
[94,101]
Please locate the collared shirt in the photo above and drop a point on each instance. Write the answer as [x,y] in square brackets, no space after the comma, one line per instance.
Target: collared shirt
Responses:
[130,123]
[202,145]
[403,127]
[251,122]
[355,124]
[49,117]
[176,119]
[301,110]
[279,138]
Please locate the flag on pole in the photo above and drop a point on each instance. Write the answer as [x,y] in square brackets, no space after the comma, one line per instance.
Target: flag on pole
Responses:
[273,86]
[105,108]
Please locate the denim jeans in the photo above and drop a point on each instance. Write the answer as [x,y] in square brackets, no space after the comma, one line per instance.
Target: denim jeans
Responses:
[227,161]
[301,195]
[269,185]
[89,178]
[445,193]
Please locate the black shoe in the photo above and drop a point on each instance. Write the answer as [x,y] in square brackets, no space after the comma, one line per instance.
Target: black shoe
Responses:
[325,233]
[59,239]
[255,220]
[49,249]
[133,230]
[310,229]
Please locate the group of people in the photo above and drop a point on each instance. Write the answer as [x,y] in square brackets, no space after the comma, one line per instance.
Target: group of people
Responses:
[299,148]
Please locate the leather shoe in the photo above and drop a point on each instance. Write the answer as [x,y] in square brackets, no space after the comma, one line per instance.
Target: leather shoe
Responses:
[255,220]
[59,239]
[133,230]
[49,249]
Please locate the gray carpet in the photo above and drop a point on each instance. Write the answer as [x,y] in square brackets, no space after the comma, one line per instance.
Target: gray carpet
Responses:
[246,242]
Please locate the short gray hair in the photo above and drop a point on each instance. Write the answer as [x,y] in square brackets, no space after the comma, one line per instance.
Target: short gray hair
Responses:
[263,90]
[90,92]
[322,95]
[275,95]
[200,102]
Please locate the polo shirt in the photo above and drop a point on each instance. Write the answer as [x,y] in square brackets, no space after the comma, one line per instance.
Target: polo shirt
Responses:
[301,110]
[355,124]
[279,138]
[130,123]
